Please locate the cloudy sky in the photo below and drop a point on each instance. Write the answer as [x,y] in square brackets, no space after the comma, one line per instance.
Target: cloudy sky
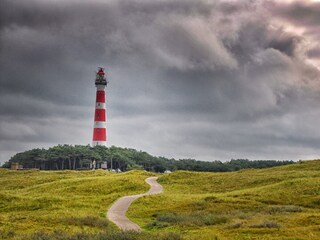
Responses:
[188,79]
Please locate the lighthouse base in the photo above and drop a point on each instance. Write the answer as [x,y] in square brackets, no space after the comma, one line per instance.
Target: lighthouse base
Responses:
[99,143]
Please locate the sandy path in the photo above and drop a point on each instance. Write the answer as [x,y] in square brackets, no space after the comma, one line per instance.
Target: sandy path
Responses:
[117,212]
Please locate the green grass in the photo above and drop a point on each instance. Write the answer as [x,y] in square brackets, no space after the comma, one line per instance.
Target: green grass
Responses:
[68,201]
[275,203]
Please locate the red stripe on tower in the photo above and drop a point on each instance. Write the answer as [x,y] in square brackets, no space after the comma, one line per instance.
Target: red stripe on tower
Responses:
[101,96]
[100,115]
[99,129]
[99,134]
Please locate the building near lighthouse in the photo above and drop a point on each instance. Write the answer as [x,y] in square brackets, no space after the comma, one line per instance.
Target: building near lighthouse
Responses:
[100,117]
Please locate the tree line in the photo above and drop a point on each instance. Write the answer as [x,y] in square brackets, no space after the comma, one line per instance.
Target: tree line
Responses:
[79,157]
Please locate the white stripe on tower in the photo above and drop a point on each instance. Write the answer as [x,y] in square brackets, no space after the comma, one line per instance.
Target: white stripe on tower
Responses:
[100,124]
[100,105]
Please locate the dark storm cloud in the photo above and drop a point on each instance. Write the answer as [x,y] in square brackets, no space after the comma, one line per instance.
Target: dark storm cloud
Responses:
[286,43]
[203,79]
[314,53]
[303,13]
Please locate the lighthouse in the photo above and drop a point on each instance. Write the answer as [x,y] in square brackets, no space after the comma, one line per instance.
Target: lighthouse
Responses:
[100,126]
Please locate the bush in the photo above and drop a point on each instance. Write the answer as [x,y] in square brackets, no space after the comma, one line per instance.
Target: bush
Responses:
[56,235]
[7,234]
[157,224]
[211,219]
[234,225]
[119,235]
[169,217]
[90,221]
[284,208]
[266,224]
[192,219]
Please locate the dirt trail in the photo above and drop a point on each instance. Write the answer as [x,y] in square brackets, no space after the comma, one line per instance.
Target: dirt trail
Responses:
[117,212]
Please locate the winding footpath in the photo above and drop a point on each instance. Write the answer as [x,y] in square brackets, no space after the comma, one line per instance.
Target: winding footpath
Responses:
[117,212]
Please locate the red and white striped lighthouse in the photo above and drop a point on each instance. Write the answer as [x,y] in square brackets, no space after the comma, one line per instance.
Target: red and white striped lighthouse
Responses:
[100,127]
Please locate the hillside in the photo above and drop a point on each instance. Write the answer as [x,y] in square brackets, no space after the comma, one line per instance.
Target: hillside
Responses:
[63,204]
[275,203]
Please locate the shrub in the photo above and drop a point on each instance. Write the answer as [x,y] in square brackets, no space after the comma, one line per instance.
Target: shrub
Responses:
[170,217]
[192,219]
[284,208]
[90,221]
[211,219]
[157,224]
[315,203]
[119,235]
[234,225]
[7,234]
[266,224]
[212,199]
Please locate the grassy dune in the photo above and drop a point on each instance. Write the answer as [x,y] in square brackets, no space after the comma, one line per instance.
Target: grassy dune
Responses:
[66,201]
[275,203]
